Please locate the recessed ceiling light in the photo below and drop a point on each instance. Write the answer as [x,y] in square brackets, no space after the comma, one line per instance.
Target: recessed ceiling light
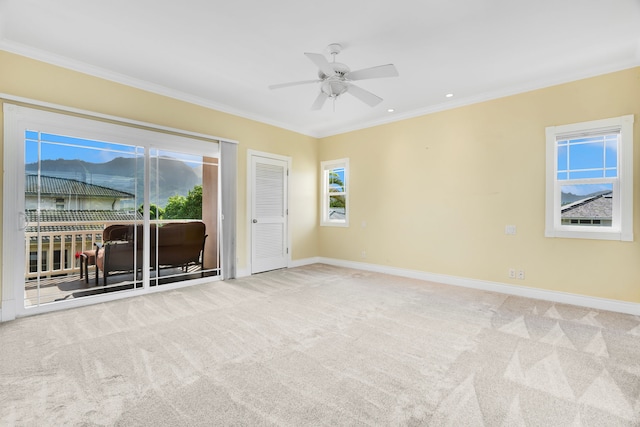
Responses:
[390,110]
[449,95]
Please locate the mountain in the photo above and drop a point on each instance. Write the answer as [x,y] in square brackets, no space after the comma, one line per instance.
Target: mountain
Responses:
[125,174]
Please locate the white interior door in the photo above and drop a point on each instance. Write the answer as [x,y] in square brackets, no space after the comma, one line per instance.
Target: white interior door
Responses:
[269,249]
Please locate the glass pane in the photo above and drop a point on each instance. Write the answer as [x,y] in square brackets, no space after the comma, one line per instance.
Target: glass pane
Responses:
[75,189]
[587,205]
[611,153]
[562,158]
[336,180]
[586,156]
[183,210]
[336,208]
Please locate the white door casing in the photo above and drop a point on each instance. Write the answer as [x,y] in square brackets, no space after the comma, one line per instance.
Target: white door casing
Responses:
[268,212]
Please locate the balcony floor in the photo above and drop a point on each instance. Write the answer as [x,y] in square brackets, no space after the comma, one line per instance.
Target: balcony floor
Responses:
[72,286]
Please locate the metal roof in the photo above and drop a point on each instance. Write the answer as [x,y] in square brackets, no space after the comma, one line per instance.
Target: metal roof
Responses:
[64,187]
[80,216]
[74,223]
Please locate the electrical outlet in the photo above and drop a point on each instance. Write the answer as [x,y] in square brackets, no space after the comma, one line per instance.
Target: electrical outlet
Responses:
[363,254]
[521,274]
[512,273]
[510,230]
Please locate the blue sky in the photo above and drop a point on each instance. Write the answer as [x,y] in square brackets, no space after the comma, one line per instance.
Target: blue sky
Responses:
[63,147]
[583,158]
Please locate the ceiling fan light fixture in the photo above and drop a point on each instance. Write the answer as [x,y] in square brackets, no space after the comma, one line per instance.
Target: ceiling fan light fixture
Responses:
[334,88]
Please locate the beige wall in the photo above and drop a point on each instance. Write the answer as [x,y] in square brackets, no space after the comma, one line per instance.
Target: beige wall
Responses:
[437,191]
[20,76]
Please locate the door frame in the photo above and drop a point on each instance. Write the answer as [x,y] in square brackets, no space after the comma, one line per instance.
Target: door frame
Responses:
[249,228]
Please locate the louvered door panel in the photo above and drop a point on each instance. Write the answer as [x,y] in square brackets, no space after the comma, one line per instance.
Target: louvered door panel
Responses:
[268,225]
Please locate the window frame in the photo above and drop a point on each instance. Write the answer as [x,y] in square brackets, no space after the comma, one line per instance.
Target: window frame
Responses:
[325,167]
[622,217]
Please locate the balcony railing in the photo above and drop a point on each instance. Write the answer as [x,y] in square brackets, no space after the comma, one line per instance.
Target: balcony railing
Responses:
[52,249]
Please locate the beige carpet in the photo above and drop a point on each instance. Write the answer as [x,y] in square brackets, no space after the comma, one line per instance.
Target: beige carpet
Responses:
[322,345]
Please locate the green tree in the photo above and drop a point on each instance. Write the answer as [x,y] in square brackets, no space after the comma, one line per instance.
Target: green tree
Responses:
[193,205]
[155,211]
[181,207]
[335,181]
[174,207]
[336,186]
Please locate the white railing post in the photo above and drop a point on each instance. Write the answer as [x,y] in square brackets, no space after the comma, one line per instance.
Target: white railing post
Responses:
[87,236]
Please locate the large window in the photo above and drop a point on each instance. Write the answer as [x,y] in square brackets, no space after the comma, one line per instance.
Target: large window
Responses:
[335,193]
[590,180]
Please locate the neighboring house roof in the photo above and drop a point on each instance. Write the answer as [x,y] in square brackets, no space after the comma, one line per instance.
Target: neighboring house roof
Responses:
[336,213]
[64,187]
[594,207]
[72,222]
[58,216]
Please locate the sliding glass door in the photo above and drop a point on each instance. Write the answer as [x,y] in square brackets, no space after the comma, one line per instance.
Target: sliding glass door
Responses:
[104,209]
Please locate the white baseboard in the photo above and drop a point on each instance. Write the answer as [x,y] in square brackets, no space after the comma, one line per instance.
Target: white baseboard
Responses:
[245,272]
[306,261]
[522,291]
[242,272]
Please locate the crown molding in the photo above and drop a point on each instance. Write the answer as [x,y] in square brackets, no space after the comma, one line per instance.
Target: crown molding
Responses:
[64,62]
[82,67]
[489,96]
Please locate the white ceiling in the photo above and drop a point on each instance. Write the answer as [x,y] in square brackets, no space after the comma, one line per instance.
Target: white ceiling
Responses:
[224,54]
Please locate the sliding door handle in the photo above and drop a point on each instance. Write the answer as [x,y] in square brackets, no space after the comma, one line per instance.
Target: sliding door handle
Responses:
[22,221]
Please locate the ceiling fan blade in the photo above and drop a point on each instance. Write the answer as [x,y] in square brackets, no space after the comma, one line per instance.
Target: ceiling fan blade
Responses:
[319,102]
[303,82]
[322,63]
[364,95]
[388,70]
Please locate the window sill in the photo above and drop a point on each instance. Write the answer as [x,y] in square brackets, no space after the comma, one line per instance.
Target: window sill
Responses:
[589,233]
[334,224]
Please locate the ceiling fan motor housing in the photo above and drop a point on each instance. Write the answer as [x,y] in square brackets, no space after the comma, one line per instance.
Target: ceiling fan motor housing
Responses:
[339,69]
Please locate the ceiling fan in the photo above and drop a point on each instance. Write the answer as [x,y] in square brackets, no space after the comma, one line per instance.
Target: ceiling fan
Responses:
[336,78]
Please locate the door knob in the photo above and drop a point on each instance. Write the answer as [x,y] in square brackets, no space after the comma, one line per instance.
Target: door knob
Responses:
[255,221]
